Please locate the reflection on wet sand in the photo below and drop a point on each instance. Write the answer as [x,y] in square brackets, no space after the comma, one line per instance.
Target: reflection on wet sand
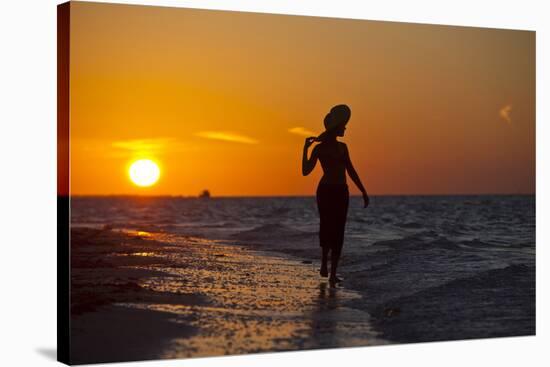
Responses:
[259,302]
[334,324]
[249,301]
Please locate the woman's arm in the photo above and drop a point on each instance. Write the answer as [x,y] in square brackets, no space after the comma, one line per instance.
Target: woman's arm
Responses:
[309,164]
[355,178]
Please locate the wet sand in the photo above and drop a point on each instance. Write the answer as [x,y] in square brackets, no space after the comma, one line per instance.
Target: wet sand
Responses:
[138,295]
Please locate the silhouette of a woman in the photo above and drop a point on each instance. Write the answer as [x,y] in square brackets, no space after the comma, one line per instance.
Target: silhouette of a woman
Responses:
[332,191]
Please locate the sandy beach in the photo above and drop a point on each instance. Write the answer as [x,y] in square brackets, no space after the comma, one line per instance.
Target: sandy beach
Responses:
[141,295]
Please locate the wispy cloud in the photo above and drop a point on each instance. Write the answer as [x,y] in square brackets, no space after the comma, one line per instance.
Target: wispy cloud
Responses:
[505,113]
[142,145]
[227,136]
[145,147]
[133,148]
[301,131]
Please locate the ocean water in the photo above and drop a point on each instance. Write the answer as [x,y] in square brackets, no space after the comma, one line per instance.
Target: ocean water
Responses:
[454,266]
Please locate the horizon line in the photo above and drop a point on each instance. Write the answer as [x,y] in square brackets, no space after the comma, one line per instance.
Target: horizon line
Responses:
[284,196]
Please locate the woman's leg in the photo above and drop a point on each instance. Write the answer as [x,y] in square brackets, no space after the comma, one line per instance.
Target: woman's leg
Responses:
[340,226]
[324,262]
[334,258]
[322,224]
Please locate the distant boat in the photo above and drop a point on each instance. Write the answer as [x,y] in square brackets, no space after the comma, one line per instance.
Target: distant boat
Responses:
[205,194]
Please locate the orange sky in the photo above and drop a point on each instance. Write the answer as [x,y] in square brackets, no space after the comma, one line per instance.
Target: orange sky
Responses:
[221,100]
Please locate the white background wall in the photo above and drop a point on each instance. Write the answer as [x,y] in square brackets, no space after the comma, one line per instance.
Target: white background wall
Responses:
[28,182]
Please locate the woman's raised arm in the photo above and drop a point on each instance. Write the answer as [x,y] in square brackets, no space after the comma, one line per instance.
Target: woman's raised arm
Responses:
[309,164]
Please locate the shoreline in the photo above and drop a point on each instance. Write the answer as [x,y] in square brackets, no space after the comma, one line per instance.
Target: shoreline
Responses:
[495,301]
[165,296]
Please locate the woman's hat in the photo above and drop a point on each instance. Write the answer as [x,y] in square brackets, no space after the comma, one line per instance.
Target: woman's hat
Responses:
[338,115]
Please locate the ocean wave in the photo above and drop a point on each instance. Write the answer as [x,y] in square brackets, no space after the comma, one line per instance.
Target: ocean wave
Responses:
[274,231]
[495,278]
[411,225]
[495,302]
[420,240]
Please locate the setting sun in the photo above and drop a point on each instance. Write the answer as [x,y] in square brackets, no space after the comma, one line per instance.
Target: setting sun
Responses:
[144,172]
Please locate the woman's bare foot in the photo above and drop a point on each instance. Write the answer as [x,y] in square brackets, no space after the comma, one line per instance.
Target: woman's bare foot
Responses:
[334,279]
[324,271]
